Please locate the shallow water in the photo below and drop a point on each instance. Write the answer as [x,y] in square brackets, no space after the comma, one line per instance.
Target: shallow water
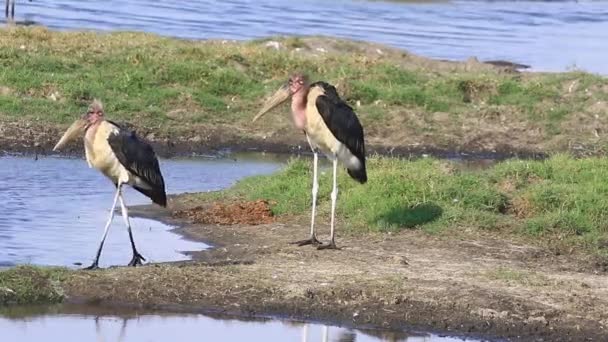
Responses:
[53,210]
[77,323]
[548,35]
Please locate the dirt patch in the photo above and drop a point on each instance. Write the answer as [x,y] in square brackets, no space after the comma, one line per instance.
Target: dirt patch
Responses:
[252,213]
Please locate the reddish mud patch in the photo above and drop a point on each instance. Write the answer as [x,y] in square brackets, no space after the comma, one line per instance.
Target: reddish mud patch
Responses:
[243,212]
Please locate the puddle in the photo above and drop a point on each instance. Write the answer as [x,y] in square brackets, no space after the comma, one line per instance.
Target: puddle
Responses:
[89,323]
[54,209]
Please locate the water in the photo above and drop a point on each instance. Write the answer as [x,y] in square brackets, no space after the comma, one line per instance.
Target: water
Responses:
[78,323]
[53,210]
[548,35]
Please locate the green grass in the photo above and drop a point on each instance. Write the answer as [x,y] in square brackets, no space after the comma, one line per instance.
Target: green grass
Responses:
[51,77]
[560,196]
[31,285]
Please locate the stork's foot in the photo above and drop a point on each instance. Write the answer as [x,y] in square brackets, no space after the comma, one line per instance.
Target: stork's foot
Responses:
[137,259]
[94,266]
[330,245]
[310,241]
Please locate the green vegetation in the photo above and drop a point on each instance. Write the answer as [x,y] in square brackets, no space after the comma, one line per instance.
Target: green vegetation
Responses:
[31,285]
[560,197]
[150,81]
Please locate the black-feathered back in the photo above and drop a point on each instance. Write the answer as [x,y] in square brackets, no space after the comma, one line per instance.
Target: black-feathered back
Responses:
[343,123]
[139,158]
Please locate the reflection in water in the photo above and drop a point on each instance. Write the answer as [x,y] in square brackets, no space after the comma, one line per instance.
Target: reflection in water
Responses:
[90,323]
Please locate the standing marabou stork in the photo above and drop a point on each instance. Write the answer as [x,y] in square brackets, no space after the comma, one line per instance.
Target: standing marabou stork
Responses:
[11,4]
[122,157]
[332,127]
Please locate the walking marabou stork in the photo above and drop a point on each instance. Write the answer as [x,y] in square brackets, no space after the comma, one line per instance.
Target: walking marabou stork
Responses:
[331,126]
[122,157]
[11,4]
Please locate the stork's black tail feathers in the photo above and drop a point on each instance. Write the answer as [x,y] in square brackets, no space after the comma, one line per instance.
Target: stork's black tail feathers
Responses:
[360,174]
[157,196]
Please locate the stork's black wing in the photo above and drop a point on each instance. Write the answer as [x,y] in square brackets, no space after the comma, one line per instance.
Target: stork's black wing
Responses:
[343,123]
[139,158]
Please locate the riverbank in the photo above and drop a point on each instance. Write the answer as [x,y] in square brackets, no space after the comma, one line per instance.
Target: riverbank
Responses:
[199,96]
[483,253]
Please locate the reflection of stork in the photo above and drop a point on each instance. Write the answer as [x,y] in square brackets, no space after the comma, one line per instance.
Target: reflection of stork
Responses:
[331,126]
[11,4]
[99,332]
[343,336]
[124,159]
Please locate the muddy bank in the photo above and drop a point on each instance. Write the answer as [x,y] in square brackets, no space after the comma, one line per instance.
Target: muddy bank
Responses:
[474,285]
[38,139]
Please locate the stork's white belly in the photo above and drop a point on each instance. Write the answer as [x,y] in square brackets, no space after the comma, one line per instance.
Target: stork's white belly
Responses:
[322,138]
[319,134]
[99,154]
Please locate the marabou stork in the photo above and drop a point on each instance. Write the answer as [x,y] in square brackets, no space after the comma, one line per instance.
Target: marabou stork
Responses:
[11,4]
[122,157]
[332,127]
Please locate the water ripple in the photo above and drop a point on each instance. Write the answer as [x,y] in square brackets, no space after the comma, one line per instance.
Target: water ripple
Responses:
[544,34]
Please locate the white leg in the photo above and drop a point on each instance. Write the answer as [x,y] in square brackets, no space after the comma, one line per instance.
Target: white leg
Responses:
[105,231]
[334,197]
[305,333]
[312,240]
[325,333]
[315,190]
[137,258]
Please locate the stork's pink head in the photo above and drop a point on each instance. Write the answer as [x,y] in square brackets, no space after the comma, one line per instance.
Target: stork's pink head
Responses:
[296,87]
[94,114]
[297,82]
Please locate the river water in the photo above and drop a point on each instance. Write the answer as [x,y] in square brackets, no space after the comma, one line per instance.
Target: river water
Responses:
[548,35]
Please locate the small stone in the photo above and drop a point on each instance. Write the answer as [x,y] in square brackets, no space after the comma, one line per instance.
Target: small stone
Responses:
[273,44]
[320,49]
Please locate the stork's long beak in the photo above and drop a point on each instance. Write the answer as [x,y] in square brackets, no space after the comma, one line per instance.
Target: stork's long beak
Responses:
[72,132]
[279,97]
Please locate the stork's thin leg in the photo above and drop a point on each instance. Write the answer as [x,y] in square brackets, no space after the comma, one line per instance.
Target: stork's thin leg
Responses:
[6,9]
[95,263]
[13,10]
[137,258]
[312,240]
[334,197]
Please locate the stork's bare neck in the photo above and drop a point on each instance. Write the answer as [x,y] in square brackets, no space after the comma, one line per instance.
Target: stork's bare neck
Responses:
[298,107]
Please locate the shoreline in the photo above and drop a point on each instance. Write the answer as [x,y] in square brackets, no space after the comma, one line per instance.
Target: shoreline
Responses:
[468,285]
[234,257]
[218,143]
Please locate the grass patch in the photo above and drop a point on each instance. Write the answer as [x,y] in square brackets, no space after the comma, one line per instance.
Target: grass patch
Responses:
[51,77]
[561,197]
[31,285]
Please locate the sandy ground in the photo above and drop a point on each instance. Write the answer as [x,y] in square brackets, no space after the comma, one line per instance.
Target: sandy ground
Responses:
[473,285]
